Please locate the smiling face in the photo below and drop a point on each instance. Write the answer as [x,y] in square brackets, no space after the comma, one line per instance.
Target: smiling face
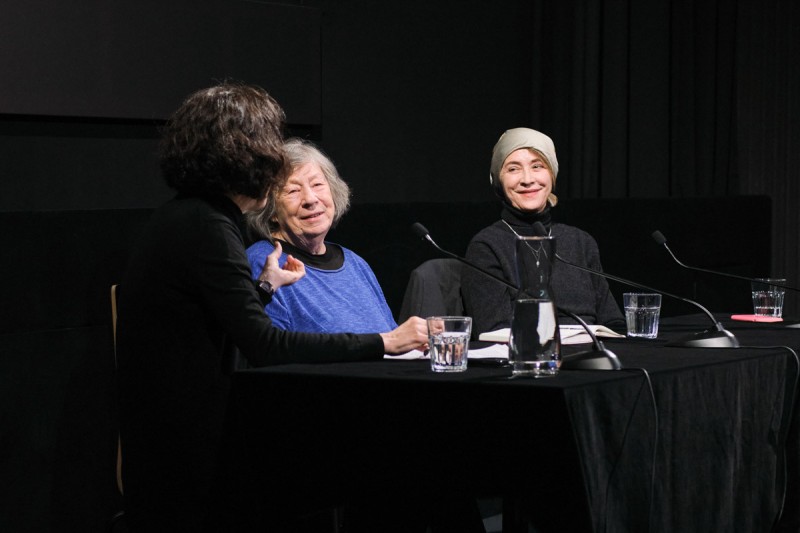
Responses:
[526,179]
[305,208]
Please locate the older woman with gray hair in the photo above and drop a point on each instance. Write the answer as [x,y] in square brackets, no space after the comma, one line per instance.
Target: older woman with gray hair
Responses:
[339,292]
[523,175]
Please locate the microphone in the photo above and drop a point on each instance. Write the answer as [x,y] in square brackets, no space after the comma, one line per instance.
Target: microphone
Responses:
[718,337]
[600,358]
[422,232]
[660,239]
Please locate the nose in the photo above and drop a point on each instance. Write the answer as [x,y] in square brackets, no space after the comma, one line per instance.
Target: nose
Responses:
[527,176]
[309,197]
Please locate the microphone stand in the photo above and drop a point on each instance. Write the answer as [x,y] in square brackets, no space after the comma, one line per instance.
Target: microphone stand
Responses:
[660,239]
[718,337]
[599,358]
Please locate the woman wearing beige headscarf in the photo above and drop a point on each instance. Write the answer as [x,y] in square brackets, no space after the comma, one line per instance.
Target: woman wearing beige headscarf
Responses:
[523,174]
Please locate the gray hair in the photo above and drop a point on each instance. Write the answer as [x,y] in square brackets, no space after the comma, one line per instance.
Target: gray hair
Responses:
[298,152]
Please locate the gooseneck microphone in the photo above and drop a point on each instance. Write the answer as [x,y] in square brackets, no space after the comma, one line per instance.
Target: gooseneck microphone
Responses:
[718,337]
[422,232]
[661,240]
[600,358]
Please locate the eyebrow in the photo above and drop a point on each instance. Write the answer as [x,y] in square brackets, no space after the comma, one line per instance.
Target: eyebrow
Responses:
[289,184]
[536,159]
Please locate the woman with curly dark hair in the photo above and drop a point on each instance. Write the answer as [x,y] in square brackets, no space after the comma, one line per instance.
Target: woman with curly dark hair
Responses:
[188,302]
[224,140]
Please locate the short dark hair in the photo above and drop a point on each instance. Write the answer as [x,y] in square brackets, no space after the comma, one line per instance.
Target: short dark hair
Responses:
[225,139]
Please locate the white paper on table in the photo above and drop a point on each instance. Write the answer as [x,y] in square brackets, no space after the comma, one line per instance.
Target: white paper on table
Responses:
[495,351]
[413,354]
[570,334]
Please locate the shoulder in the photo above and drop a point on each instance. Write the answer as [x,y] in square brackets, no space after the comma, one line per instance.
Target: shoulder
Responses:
[491,245]
[570,238]
[192,221]
[352,259]
[350,255]
[489,234]
[260,249]
[192,208]
[572,233]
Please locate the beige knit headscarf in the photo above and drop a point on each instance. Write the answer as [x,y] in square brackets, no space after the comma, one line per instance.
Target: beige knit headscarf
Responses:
[517,138]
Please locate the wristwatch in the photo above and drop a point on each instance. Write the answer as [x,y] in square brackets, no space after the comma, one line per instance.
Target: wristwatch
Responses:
[267,287]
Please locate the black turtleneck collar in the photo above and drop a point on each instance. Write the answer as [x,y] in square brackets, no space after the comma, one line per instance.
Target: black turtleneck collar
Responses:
[523,221]
[332,259]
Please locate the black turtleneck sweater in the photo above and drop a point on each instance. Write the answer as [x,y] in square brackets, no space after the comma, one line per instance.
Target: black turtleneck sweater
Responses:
[490,304]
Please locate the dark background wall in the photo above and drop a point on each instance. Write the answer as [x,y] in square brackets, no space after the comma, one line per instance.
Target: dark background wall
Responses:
[655,99]
[644,99]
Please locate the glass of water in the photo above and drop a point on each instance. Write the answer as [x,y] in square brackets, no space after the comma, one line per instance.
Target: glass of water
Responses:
[642,311]
[448,337]
[767,297]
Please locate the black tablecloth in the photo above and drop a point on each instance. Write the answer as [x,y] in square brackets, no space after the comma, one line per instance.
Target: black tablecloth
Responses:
[577,450]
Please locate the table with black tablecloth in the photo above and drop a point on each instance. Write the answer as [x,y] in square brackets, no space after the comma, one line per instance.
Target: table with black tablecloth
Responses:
[585,450]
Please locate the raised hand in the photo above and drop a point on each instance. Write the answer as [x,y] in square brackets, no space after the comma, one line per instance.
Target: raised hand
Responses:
[278,276]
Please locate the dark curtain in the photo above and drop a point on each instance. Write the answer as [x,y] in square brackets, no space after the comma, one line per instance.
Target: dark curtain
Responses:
[680,98]
[768,130]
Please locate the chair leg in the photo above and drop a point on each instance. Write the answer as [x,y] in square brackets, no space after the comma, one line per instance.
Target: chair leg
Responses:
[119,465]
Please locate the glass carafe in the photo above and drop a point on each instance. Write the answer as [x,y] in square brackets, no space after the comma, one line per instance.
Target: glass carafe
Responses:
[534,347]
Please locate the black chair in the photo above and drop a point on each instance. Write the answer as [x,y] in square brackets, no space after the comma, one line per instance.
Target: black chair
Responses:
[434,289]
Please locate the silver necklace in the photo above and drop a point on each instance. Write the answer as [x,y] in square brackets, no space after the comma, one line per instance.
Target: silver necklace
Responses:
[536,253]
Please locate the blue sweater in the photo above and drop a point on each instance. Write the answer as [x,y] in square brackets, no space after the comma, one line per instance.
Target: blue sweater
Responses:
[348,299]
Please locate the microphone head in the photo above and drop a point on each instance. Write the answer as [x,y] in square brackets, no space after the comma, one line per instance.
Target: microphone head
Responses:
[659,237]
[419,230]
[539,230]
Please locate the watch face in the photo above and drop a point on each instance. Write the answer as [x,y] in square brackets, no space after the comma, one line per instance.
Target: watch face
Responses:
[266,286]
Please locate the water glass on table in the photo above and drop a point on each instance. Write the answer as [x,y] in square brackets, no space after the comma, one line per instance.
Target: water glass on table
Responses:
[642,311]
[448,337]
[767,297]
